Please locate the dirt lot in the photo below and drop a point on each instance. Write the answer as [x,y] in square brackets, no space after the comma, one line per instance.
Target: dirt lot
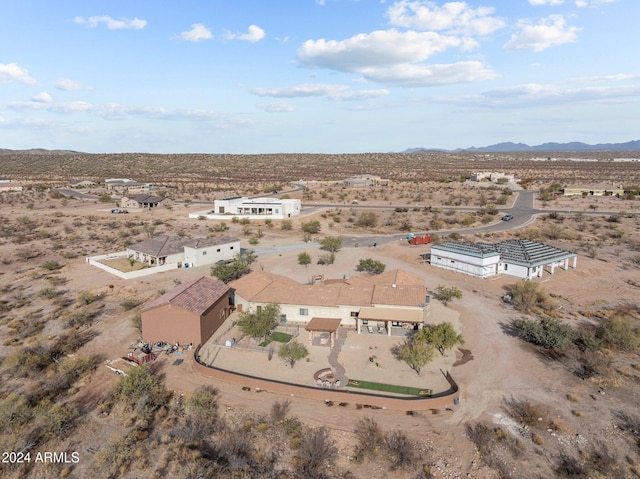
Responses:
[38,304]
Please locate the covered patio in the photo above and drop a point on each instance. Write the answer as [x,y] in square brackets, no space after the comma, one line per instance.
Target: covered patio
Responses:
[389,321]
[323,326]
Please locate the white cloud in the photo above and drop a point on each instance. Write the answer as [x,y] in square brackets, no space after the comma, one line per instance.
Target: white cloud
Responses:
[197,33]
[538,3]
[277,107]
[408,75]
[42,97]
[67,84]
[536,93]
[11,72]
[378,49]
[550,31]
[453,17]
[591,3]
[254,34]
[111,23]
[300,91]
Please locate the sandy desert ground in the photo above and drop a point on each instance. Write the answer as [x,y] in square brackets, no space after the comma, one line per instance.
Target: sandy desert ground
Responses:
[503,369]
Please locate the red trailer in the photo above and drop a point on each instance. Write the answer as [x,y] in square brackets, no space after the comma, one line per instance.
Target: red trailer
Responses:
[416,240]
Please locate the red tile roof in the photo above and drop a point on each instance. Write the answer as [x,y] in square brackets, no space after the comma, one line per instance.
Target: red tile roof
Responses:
[196,296]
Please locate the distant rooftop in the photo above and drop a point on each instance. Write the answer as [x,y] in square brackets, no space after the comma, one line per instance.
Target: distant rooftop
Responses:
[165,245]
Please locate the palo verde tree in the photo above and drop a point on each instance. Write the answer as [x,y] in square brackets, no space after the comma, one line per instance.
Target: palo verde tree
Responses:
[443,336]
[448,293]
[311,227]
[416,353]
[304,259]
[259,323]
[239,266]
[293,351]
[332,244]
[371,266]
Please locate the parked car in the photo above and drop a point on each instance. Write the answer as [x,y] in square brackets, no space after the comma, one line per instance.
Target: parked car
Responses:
[507,217]
[117,211]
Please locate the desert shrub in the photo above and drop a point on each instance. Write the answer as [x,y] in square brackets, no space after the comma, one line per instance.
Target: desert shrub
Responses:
[619,333]
[51,265]
[527,296]
[550,333]
[280,409]
[304,258]
[79,317]
[367,219]
[136,322]
[400,450]
[85,298]
[239,266]
[142,389]
[369,439]
[311,227]
[27,361]
[496,447]
[129,304]
[286,225]
[316,454]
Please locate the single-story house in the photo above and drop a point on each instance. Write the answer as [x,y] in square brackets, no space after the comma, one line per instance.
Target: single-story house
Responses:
[521,258]
[83,184]
[7,185]
[593,190]
[123,184]
[145,201]
[188,314]
[185,252]
[364,181]
[252,208]
[490,176]
[388,303]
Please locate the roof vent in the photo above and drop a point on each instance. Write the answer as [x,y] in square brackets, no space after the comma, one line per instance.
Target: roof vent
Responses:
[393,285]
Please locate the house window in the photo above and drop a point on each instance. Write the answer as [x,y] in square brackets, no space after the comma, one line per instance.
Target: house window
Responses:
[218,250]
[364,321]
[304,312]
[204,253]
[355,314]
[231,247]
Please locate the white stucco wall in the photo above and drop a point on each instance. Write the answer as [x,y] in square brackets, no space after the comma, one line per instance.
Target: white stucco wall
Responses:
[474,266]
[210,254]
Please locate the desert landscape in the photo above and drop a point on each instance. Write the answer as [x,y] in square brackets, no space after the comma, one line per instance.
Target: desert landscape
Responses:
[563,405]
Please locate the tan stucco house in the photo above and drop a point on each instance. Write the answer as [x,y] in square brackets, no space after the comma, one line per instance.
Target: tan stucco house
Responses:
[188,314]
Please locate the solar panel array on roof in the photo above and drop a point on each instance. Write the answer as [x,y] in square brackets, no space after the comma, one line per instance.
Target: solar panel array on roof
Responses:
[522,252]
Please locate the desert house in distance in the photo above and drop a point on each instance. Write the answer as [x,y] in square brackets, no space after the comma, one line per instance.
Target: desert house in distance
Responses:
[491,176]
[188,314]
[124,185]
[164,253]
[364,181]
[7,185]
[391,303]
[593,190]
[520,258]
[144,201]
[251,208]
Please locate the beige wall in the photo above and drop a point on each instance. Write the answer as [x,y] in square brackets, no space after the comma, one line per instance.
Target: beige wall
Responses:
[176,325]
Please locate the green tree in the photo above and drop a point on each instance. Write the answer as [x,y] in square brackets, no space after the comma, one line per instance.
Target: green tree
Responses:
[293,351]
[304,259]
[443,336]
[550,333]
[371,266]
[332,244]
[311,227]
[448,293]
[259,323]
[239,266]
[415,353]
[368,219]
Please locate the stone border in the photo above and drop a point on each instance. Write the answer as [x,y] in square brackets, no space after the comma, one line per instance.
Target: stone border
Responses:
[437,401]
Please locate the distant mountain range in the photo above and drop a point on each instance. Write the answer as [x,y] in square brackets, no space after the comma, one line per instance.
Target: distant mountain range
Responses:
[510,147]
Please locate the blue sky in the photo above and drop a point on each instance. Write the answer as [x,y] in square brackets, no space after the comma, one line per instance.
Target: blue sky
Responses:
[316,76]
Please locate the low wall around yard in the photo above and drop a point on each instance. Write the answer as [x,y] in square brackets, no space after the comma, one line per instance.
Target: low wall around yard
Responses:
[437,401]
[97,262]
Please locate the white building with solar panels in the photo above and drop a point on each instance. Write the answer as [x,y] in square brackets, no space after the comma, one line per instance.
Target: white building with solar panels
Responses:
[521,258]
